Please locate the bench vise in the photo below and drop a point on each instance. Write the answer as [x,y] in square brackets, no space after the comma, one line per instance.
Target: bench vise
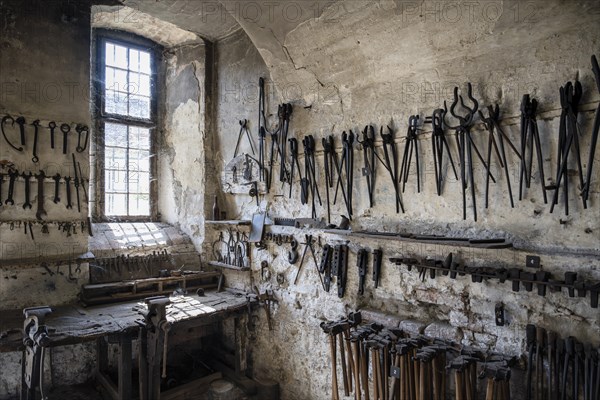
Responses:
[36,340]
[154,337]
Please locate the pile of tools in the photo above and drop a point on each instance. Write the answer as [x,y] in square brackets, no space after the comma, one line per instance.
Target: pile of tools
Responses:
[542,280]
[114,269]
[232,248]
[558,368]
[68,228]
[83,134]
[409,368]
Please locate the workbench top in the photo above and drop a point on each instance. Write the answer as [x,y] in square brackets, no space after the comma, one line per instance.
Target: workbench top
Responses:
[71,324]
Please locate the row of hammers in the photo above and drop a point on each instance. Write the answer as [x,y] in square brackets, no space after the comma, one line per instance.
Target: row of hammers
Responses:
[409,368]
[560,369]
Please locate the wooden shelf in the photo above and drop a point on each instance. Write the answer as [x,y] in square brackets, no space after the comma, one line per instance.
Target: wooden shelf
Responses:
[229,222]
[217,264]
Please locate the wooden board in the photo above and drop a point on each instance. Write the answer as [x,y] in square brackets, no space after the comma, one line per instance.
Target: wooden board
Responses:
[73,324]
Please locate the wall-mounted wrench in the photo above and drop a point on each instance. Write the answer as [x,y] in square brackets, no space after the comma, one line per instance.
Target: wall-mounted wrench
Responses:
[68,184]
[27,204]
[76,183]
[83,129]
[11,187]
[52,127]
[21,122]
[40,201]
[1,181]
[57,178]
[36,127]
[65,129]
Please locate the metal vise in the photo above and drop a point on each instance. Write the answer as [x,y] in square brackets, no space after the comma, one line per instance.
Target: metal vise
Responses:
[154,346]
[35,339]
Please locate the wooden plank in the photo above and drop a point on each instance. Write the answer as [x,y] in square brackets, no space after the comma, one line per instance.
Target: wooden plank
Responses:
[191,389]
[107,385]
[124,368]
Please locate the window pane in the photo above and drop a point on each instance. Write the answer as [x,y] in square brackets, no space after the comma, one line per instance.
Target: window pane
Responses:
[139,84]
[115,135]
[139,204]
[115,102]
[139,107]
[134,60]
[115,158]
[116,79]
[115,181]
[139,160]
[116,56]
[145,62]
[116,204]
[139,138]
[141,184]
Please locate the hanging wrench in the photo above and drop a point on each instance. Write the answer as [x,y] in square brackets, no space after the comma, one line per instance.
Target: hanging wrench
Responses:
[57,178]
[27,203]
[68,183]
[82,129]
[21,122]
[36,126]
[52,126]
[9,118]
[40,210]
[11,187]
[65,129]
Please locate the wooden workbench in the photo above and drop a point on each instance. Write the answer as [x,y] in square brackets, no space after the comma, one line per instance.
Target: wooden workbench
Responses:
[73,324]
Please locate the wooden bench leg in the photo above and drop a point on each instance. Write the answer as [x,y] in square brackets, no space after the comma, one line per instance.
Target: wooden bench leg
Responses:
[125,367]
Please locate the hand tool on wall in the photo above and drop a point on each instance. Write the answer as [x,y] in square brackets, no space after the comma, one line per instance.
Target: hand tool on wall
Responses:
[347,166]
[332,330]
[530,136]
[65,129]
[496,139]
[594,140]
[68,186]
[12,174]
[370,169]
[27,203]
[339,167]
[76,183]
[85,131]
[4,120]
[36,340]
[328,164]
[377,260]
[295,165]
[1,182]
[272,157]
[411,145]
[21,122]
[308,245]
[466,146]
[83,183]
[286,113]
[36,130]
[362,257]
[310,179]
[391,164]
[57,178]
[439,144]
[52,127]
[41,212]
[243,130]
[568,137]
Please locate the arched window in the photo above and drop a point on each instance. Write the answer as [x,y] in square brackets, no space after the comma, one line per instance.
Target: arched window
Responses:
[126,122]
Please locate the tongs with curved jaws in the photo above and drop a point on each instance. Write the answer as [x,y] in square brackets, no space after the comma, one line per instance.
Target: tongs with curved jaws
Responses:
[586,189]
[466,145]
[12,123]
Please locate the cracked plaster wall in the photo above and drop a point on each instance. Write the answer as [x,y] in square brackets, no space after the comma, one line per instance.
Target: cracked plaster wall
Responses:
[359,63]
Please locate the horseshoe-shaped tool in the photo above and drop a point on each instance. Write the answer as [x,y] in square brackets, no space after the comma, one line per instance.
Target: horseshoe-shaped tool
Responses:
[11,187]
[65,129]
[82,129]
[52,127]
[41,213]
[21,122]
[36,127]
[293,255]
[27,204]
[9,118]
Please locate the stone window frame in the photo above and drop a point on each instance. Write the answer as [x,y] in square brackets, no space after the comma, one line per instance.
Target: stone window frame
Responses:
[100,36]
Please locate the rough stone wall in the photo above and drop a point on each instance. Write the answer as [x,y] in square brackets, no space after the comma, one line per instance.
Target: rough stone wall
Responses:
[44,74]
[377,63]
